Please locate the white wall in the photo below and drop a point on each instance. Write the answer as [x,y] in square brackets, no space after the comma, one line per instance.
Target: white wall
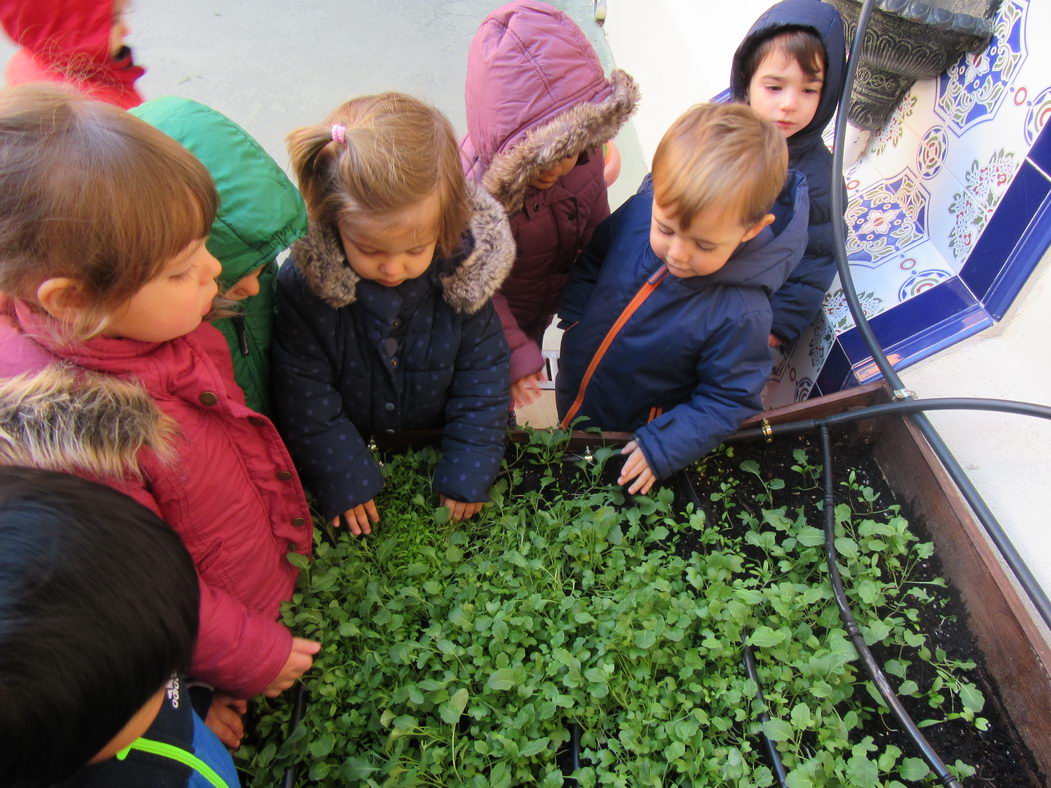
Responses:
[679,51]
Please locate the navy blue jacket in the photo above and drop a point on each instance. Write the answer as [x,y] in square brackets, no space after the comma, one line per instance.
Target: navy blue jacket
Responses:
[188,747]
[696,349]
[798,301]
[352,357]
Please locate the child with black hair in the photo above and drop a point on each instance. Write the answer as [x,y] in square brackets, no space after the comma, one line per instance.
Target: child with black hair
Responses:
[789,69]
[87,664]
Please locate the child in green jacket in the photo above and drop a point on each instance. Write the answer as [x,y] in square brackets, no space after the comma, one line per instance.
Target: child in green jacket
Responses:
[260,215]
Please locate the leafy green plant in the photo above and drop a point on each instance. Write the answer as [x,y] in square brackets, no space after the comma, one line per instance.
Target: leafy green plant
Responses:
[459,653]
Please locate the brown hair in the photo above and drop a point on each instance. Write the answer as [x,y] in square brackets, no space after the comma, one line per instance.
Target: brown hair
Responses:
[92,193]
[721,155]
[397,151]
[797,43]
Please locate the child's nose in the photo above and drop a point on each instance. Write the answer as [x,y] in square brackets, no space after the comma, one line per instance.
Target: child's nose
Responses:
[212,269]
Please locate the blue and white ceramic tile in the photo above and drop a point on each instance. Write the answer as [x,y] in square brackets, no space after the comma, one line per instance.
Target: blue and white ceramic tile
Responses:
[930,184]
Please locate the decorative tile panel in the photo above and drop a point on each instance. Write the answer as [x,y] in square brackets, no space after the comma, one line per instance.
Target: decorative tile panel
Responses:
[973,89]
[888,217]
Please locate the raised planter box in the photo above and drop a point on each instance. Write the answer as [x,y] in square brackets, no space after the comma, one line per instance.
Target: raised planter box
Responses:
[1016,648]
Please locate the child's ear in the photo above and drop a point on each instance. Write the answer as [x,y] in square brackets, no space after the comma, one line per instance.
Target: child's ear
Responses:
[61,297]
[757,228]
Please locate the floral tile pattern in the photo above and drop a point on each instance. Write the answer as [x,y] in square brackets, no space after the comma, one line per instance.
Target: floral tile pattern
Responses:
[886,218]
[919,201]
[973,207]
[973,89]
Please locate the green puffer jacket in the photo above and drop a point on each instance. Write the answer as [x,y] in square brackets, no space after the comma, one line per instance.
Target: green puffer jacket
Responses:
[260,215]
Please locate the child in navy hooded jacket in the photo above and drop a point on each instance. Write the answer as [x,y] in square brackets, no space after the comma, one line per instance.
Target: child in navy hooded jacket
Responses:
[789,69]
[668,312]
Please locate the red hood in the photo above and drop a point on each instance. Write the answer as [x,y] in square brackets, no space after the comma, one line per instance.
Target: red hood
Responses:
[67,32]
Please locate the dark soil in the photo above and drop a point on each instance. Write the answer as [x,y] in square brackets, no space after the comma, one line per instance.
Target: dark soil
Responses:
[998,754]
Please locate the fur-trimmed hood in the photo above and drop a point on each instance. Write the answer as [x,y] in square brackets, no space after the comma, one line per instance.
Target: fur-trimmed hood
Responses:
[71,420]
[535,94]
[468,279]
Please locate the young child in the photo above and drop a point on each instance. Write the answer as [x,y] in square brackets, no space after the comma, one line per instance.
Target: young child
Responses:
[87,663]
[75,42]
[789,68]
[111,375]
[383,320]
[668,309]
[260,215]
[539,109]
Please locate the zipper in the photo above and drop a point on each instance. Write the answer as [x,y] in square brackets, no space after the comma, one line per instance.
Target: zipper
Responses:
[178,754]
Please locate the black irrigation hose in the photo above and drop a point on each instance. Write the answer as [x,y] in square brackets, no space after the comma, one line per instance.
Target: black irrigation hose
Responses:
[297,717]
[875,672]
[913,406]
[771,747]
[952,466]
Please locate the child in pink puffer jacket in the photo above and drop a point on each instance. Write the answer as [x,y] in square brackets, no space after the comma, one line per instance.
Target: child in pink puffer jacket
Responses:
[539,109]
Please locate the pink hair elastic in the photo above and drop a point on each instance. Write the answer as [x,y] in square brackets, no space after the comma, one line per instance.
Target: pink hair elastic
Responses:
[339,133]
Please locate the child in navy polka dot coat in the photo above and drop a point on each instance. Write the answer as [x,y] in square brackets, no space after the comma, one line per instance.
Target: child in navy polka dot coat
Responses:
[383,317]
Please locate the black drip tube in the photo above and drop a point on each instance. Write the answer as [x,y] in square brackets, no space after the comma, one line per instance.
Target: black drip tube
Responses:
[914,407]
[877,675]
[297,717]
[952,466]
[771,746]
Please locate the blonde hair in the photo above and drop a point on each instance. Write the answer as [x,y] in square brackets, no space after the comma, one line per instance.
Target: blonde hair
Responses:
[92,193]
[722,155]
[389,152]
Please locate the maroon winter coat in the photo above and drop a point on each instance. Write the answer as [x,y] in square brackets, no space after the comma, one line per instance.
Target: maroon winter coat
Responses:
[167,424]
[536,94]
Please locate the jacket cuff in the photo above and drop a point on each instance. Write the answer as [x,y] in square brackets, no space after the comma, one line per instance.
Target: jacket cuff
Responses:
[358,482]
[525,360]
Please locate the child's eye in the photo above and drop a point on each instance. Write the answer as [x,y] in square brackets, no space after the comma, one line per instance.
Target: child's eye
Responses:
[184,275]
[418,251]
[664,230]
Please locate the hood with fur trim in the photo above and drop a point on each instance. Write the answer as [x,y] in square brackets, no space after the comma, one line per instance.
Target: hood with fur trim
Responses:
[535,94]
[80,422]
[468,279]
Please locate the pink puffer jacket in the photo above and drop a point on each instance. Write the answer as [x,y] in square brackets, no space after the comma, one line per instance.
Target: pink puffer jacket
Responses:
[536,94]
[167,424]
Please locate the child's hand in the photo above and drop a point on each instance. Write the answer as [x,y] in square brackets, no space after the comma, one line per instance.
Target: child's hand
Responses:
[526,390]
[458,510]
[636,468]
[224,719]
[299,661]
[361,518]
[774,341]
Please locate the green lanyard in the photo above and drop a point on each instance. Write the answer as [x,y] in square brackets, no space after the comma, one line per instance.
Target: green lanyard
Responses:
[175,754]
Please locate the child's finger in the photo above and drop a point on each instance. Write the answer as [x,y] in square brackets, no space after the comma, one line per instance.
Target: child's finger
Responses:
[372,511]
[629,447]
[363,519]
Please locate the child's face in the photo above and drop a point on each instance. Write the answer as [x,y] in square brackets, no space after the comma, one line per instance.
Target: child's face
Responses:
[172,303]
[783,93]
[549,177]
[393,248]
[246,286]
[702,248]
[119,29]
